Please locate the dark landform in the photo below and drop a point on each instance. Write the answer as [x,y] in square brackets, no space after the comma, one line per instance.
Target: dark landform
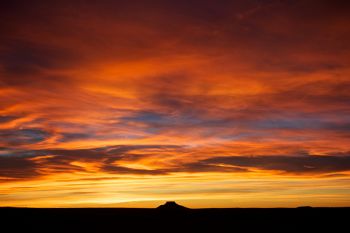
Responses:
[172,217]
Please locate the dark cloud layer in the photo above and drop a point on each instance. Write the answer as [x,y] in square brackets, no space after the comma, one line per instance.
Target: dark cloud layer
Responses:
[28,164]
[295,164]
[17,167]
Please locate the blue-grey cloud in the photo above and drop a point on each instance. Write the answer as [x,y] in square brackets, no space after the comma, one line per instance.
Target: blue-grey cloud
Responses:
[23,136]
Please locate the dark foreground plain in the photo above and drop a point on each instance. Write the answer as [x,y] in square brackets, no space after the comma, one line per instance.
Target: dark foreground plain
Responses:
[178,220]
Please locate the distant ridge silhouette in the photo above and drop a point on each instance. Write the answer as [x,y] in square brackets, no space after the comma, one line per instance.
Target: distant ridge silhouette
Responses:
[171,206]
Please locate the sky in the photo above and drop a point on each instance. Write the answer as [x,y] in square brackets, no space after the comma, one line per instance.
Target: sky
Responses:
[208,103]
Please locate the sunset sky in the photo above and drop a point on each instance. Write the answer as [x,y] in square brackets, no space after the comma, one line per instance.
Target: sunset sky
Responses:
[209,103]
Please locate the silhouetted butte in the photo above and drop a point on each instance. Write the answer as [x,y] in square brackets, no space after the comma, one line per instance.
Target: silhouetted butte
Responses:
[171,206]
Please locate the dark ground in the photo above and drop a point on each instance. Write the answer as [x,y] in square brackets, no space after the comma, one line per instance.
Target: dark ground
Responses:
[184,220]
